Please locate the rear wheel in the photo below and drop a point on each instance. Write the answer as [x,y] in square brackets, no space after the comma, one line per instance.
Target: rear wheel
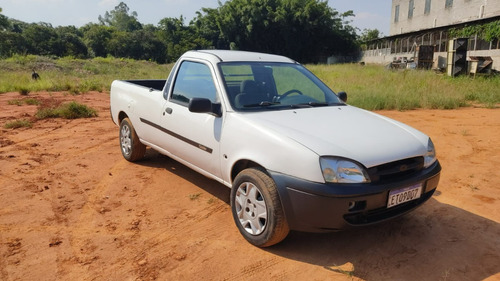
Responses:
[132,149]
[257,209]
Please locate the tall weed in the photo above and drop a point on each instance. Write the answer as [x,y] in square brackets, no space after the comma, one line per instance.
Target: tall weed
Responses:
[373,87]
[73,75]
[71,110]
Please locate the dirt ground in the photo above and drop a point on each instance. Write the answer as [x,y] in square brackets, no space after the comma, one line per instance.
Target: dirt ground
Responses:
[71,208]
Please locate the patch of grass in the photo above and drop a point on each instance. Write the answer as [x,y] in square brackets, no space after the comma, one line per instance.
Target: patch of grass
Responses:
[24,91]
[473,187]
[71,110]
[194,196]
[445,276]
[373,87]
[15,102]
[348,272]
[21,123]
[73,75]
[29,101]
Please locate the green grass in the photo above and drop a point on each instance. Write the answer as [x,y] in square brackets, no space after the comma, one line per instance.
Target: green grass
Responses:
[51,109]
[31,101]
[374,88]
[15,102]
[71,110]
[370,87]
[22,123]
[194,196]
[28,101]
[73,75]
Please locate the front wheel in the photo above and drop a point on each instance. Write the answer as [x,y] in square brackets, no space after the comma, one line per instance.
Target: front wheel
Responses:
[132,149]
[257,209]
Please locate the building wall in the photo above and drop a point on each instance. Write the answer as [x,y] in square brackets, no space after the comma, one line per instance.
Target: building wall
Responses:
[439,15]
[384,56]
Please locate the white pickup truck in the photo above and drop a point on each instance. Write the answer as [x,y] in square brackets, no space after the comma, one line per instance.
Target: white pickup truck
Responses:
[295,155]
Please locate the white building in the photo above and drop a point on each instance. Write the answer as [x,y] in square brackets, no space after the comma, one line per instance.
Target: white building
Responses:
[434,22]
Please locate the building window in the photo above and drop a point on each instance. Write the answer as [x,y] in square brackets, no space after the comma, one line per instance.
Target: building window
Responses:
[427,7]
[396,14]
[449,4]
[411,7]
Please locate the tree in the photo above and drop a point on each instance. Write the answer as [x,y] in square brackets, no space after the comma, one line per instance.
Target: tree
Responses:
[4,21]
[11,43]
[369,34]
[72,43]
[17,26]
[42,40]
[96,37]
[120,19]
[179,38]
[120,44]
[205,26]
[149,47]
[306,30]
[139,45]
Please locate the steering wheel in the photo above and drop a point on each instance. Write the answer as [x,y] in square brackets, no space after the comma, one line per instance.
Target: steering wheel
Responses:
[288,93]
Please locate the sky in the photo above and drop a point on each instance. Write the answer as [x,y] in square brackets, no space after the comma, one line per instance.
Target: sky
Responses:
[369,14]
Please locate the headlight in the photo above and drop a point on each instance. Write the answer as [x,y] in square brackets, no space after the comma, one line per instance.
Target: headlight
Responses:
[430,155]
[339,170]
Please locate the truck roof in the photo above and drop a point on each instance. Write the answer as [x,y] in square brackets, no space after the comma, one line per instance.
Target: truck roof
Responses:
[236,56]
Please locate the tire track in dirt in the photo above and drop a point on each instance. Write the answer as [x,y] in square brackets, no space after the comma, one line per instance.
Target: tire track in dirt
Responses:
[81,229]
[254,269]
[43,135]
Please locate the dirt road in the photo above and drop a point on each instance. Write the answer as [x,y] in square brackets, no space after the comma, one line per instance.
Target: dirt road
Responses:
[71,208]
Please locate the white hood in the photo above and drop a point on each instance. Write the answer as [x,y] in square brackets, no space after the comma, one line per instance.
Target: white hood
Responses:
[346,131]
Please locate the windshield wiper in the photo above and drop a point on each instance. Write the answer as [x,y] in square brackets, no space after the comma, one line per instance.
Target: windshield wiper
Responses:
[262,104]
[309,104]
[314,104]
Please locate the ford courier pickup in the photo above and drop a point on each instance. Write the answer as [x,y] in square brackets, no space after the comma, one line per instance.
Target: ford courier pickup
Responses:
[295,155]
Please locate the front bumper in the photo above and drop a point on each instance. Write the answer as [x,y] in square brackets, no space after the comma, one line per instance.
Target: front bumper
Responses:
[322,207]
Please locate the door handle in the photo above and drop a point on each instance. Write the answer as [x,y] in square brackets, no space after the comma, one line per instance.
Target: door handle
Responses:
[168,110]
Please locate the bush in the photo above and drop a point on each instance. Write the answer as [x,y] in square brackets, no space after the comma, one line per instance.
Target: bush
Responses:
[15,102]
[18,124]
[31,101]
[72,110]
[24,91]
[25,101]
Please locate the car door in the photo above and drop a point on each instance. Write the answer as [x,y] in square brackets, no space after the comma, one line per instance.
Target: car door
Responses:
[193,137]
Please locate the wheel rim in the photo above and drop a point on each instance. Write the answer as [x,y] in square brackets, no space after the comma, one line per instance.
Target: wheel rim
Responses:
[125,140]
[251,208]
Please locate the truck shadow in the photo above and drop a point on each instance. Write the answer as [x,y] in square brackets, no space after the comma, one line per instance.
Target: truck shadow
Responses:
[435,242]
[156,160]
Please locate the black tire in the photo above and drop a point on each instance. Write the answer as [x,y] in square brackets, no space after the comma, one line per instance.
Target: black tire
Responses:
[257,209]
[132,149]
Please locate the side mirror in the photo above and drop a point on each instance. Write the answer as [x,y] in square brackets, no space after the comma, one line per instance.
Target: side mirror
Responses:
[342,96]
[202,105]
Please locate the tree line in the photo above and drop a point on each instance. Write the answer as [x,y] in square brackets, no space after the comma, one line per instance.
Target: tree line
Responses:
[308,31]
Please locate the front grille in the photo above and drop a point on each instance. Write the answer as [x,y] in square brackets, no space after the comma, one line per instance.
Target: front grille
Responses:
[397,170]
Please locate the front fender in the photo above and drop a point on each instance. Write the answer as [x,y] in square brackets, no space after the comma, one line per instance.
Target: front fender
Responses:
[243,139]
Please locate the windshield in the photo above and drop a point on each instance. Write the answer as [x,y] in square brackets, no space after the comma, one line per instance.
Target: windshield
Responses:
[267,86]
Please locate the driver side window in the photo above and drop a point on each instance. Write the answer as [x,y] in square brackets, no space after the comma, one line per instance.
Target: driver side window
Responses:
[194,80]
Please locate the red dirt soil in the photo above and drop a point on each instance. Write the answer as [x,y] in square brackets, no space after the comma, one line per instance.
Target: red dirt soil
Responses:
[73,209]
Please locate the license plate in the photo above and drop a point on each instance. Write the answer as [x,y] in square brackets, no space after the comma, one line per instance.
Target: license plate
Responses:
[400,196]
